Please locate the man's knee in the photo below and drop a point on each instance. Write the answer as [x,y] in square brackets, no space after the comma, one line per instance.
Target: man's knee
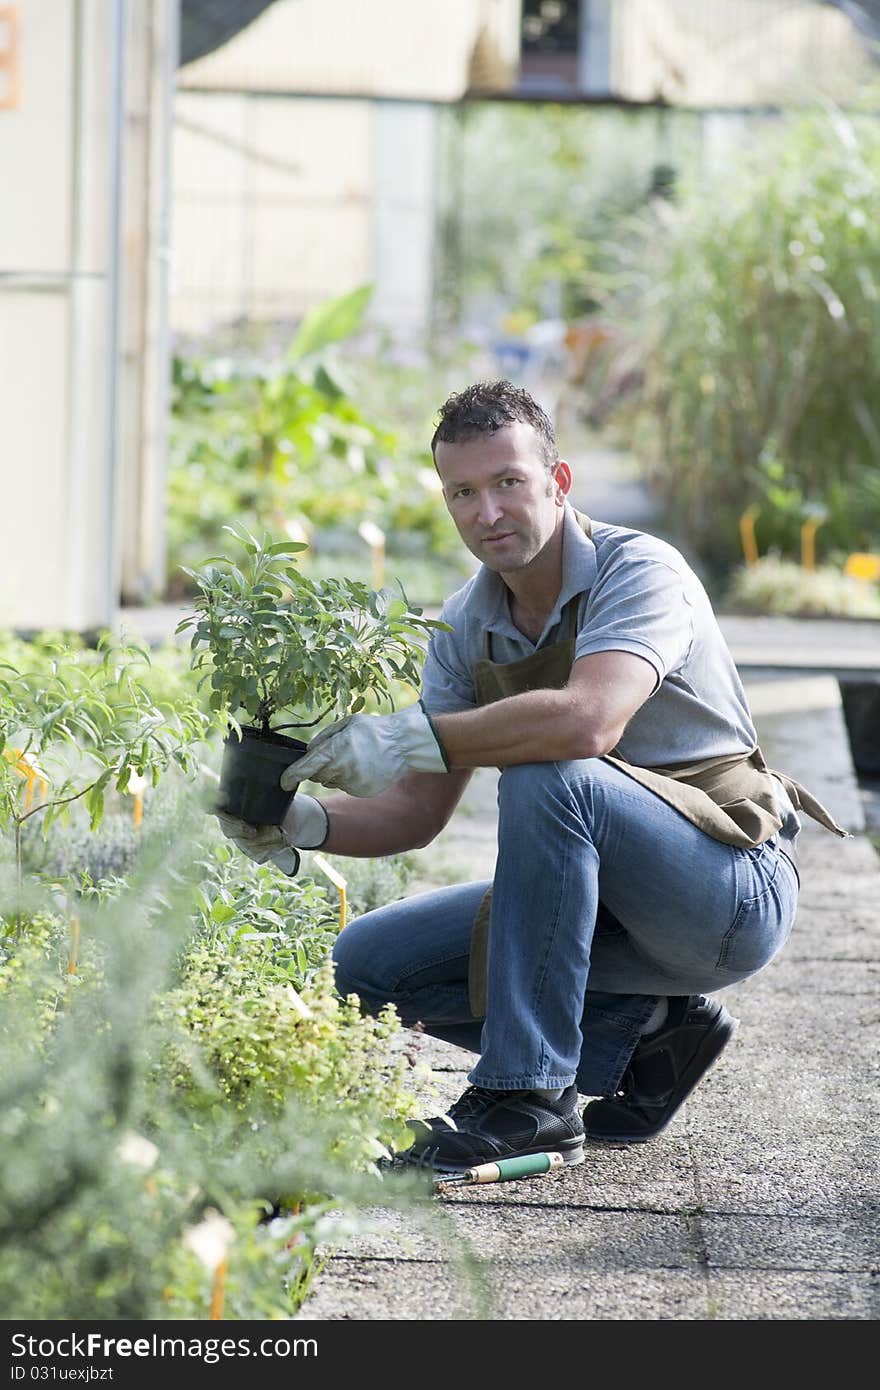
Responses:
[526,782]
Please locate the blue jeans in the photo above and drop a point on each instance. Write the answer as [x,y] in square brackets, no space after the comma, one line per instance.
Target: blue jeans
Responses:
[605,900]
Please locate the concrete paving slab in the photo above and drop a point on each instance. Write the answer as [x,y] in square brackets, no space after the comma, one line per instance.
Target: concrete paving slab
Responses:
[843,1246]
[760,1201]
[516,1231]
[761,1295]
[533,1292]
[362,1291]
[385,1290]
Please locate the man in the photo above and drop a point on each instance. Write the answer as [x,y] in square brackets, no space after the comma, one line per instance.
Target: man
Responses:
[645,852]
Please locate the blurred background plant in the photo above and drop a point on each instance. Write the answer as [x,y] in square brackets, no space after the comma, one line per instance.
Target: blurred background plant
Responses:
[775,585]
[755,308]
[280,444]
[532,201]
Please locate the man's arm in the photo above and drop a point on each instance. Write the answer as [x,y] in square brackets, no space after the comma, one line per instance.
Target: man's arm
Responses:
[585,719]
[368,755]
[408,815]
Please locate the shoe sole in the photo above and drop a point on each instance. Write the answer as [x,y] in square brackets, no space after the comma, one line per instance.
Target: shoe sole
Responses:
[571,1156]
[702,1062]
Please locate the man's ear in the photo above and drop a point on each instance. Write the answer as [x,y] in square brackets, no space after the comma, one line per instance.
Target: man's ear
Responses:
[561,481]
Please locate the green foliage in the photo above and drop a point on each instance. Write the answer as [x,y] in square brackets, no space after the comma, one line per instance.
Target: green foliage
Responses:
[535,196]
[250,1045]
[176,1059]
[774,585]
[75,723]
[758,313]
[284,444]
[288,925]
[178,1080]
[273,641]
[329,322]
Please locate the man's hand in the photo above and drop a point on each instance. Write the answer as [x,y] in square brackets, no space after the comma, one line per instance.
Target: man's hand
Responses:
[365,753]
[305,824]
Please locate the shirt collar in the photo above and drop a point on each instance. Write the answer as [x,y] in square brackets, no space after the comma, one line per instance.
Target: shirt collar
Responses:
[578,575]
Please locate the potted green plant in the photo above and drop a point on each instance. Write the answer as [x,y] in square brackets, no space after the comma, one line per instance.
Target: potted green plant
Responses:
[277,646]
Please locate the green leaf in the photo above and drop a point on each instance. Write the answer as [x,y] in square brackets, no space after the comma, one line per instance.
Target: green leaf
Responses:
[328,323]
[285,548]
[222,912]
[330,383]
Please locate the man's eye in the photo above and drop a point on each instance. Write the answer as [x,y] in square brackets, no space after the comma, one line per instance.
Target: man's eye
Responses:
[462,492]
[509,482]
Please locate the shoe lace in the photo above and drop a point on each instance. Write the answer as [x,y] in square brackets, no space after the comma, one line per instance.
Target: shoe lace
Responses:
[474,1101]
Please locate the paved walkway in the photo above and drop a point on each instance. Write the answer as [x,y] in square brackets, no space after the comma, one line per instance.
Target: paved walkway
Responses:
[760,1201]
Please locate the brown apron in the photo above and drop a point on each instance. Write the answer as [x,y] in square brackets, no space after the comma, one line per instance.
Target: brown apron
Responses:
[731,798]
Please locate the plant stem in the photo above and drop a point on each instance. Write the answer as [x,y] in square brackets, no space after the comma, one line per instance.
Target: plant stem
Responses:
[63,801]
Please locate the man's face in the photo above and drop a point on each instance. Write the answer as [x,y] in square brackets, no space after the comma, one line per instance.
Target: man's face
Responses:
[501,495]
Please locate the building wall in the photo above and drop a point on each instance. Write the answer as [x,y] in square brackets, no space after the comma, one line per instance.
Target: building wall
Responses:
[54,323]
[281,203]
[82,363]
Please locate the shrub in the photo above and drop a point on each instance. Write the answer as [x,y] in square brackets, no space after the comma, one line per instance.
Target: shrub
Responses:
[180,1080]
[757,308]
[284,444]
[774,585]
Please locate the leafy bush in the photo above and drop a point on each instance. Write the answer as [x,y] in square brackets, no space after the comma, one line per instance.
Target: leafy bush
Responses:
[177,1063]
[235,1038]
[178,1080]
[757,307]
[774,585]
[283,445]
[76,724]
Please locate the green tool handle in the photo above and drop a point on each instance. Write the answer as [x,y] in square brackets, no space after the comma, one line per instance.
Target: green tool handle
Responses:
[506,1169]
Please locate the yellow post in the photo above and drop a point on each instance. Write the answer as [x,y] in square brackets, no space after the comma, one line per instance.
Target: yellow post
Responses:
[863,565]
[338,881]
[375,539]
[218,1291]
[808,542]
[747,533]
[72,957]
[135,788]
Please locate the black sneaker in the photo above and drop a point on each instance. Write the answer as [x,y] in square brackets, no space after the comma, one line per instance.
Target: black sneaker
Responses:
[663,1071]
[483,1126]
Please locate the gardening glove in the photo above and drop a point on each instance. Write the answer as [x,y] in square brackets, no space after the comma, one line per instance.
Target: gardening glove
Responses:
[305,824]
[364,753]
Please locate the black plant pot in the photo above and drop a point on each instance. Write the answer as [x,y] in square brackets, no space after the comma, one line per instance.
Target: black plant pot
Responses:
[249,773]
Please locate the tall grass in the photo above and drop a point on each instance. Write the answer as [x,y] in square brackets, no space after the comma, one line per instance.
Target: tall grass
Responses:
[757,309]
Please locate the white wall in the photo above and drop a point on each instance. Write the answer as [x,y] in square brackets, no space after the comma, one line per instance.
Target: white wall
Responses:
[281,203]
[80,389]
[54,322]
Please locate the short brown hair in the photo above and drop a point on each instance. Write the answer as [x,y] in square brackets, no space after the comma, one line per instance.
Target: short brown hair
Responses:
[488,406]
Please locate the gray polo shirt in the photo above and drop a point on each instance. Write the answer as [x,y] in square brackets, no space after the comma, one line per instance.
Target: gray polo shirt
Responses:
[637,594]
